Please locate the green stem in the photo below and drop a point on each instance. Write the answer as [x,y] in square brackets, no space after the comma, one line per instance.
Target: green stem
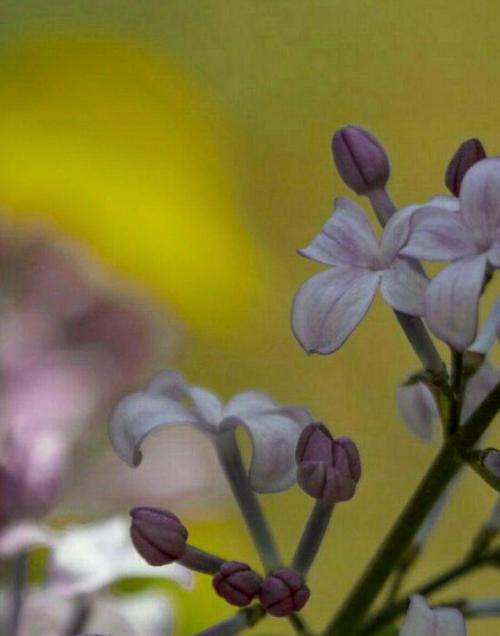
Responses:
[393,611]
[245,618]
[400,537]
[232,464]
[299,625]
[457,387]
[18,587]
[312,537]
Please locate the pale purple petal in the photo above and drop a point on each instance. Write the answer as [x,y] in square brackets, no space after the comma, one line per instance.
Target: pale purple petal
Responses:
[480,199]
[439,235]
[137,415]
[418,409]
[445,201]
[488,332]
[274,439]
[422,621]
[248,402]
[449,622]
[346,238]
[207,405]
[19,537]
[404,288]
[171,384]
[494,253]
[482,382]
[451,302]
[396,233]
[329,306]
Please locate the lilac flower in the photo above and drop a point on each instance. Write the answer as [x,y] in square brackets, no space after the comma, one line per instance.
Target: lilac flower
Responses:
[169,400]
[467,232]
[329,306]
[423,621]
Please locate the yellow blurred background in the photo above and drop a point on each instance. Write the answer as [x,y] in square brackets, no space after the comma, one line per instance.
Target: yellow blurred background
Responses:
[186,143]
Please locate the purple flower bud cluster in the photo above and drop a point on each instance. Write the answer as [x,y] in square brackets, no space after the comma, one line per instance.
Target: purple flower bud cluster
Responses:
[237,583]
[327,469]
[284,592]
[158,535]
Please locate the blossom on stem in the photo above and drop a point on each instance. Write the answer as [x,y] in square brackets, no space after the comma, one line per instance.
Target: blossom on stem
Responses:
[329,306]
[467,232]
[284,592]
[328,469]
[468,153]
[421,620]
[237,583]
[169,400]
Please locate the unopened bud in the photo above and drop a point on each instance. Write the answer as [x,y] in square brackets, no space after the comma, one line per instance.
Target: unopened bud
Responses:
[158,535]
[237,583]
[360,159]
[468,153]
[284,592]
[328,469]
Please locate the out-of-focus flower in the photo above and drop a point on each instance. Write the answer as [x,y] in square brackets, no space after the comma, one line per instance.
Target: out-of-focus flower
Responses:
[284,592]
[237,583]
[421,620]
[328,469]
[467,232]
[169,400]
[360,159]
[417,404]
[329,306]
[468,153]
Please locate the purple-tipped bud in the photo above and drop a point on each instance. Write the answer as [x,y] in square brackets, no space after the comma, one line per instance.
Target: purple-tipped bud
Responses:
[491,461]
[284,592]
[360,159]
[237,583]
[328,469]
[468,153]
[158,535]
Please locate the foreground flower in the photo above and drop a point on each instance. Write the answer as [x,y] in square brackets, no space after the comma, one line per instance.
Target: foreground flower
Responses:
[467,232]
[423,621]
[468,153]
[329,306]
[169,400]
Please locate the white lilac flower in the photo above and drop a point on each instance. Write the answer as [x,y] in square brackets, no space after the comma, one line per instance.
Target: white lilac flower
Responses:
[421,620]
[329,306]
[466,231]
[169,400]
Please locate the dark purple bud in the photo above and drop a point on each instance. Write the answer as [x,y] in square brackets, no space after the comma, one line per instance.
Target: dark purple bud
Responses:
[468,153]
[158,535]
[237,583]
[360,159]
[328,469]
[284,592]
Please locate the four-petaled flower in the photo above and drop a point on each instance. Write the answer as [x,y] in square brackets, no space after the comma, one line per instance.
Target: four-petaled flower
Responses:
[273,429]
[329,306]
[466,231]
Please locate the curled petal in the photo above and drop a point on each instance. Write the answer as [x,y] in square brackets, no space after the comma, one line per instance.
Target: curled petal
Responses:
[274,439]
[396,233]
[248,402]
[171,384]
[494,253]
[329,306]
[417,407]
[136,416]
[446,202]
[207,405]
[423,621]
[438,235]
[404,288]
[480,198]
[488,333]
[451,302]
[347,237]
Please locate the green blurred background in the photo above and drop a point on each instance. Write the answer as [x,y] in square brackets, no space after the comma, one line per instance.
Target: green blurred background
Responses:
[186,142]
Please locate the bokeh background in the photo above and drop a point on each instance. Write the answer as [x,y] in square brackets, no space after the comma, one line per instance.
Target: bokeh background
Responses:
[185,145]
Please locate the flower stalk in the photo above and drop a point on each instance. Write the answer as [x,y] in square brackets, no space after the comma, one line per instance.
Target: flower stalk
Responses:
[312,536]
[18,587]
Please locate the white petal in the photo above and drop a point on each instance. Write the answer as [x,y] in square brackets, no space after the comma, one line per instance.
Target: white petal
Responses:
[404,288]
[445,201]
[419,620]
[346,238]
[488,333]
[136,415]
[146,614]
[418,409]
[396,233]
[494,253]
[451,302]
[24,536]
[329,306]
[274,438]
[248,402]
[480,198]
[438,235]
[88,557]
[207,405]
[449,622]
[171,384]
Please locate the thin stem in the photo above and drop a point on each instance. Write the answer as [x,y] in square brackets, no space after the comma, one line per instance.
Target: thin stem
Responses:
[245,618]
[382,204]
[393,611]
[299,625]
[79,617]
[312,536]
[201,561]
[232,464]
[457,386]
[400,537]
[421,342]
[18,590]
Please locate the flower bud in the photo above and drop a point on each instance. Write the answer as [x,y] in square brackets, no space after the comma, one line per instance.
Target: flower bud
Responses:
[468,153]
[284,592]
[237,583]
[491,461]
[360,159]
[158,536]
[328,469]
